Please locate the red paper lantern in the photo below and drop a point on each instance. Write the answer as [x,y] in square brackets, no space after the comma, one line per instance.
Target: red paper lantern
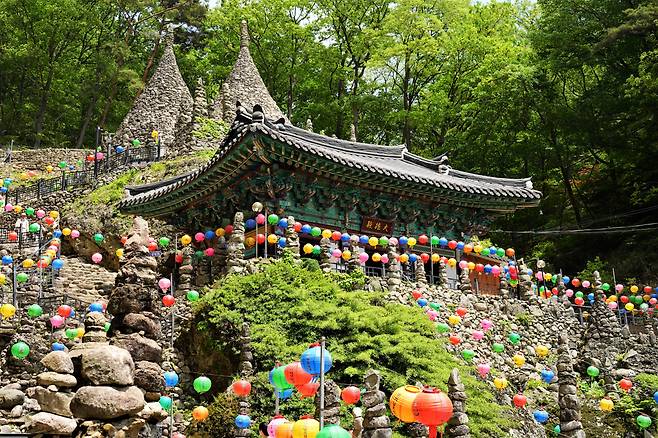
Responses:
[432,408]
[647,289]
[425,257]
[625,384]
[241,388]
[260,238]
[295,374]
[416,294]
[308,389]
[454,339]
[422,239]
[555,291]
[479,267]
[520,400]
[64,311]
[351,395]
[168,300]
[124,239]
[452,244]
[179,257]
[152,246]
[335,236]
[49,220]
[461,311]
[579,301]
[228,229]
[298,227]
[12,236]
[623,299]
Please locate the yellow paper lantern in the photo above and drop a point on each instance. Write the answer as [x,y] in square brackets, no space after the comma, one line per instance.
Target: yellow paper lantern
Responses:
[373,241]
[404,258]
[606,405]
[220,232]
[634,289]
[454,319]
[435,258]
[478,248]
[411,241]
[186,240]
[272,238]
[541,350]
[468,248]
[18,209]
[3,279]
[154,134]
[28,263]
[51,253]
[471,266]
[548,276]
[305,428]
[49,169]
[308,248]
[7,310]
[119,252]
[250,241]
[326,234]
[500,383]
[54,214]
[81,332]
[402,401]
[24,175]
[646,297]
[376,257]
[629,307]
[613,298]
[347,254]
[66,231]
[519,360]
[452,262]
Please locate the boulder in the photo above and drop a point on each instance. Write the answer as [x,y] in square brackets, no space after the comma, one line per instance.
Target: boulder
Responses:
[140,348]
[51,424]
[153,413]
[57,379]
[108,365]
[10,398]
[137,322]
[58,361]
[148,376]
[106,403]
[54,402]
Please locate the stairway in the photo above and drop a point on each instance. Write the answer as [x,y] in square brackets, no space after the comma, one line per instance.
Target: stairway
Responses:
[82,280]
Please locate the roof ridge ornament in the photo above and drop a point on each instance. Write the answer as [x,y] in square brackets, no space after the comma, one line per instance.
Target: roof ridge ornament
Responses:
[257,115]
[244,34]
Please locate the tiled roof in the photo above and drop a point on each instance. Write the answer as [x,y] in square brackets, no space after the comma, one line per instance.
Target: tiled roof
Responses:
[392,161]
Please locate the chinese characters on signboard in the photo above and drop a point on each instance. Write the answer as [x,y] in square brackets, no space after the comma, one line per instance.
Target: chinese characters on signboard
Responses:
[374,225]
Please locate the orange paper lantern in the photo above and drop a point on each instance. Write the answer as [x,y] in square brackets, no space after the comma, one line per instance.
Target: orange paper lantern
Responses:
[283,430]
[200,413]
[401,403]
[432,408]
[295,374]
[351,395]
[308,390]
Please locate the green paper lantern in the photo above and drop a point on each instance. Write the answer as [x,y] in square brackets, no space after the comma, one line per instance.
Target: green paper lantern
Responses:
[435,306]
[579,294]
[29,211]
[136,142]
[22,277]
[643,421]
[71,333]
[497,347]
[34,228]
[500,252]
[273,219]
[62,164]
[202,384]
[557,430]
[165,402]
[514,338]
[605,287]
[34,311]
[317,250]
[592,371]
[106,327]
[20,350]
[164,241]
[278,378]
[193,295]
[333,431]
[316,231]
[98,238]
[468,354]
[383,241]
[442,327]
[198,254]
[513,283]
[542,289]
[435,240]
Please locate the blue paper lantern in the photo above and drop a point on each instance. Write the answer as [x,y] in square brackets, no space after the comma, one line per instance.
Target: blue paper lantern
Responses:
[282,242]
[460,245]
[493,250]
[655,396]
[285,394]
[243,421]
[71,166]
[310,360]
[120,149]
[59,347]
[96,307]
[58,264]
[403,240]
[443,242]
[511,263]
[590,296]
[7,260]
[209,234]
[487,268]
[540,415]
[283,223]
[250,224]
[7,182]
[171,379]
[306,228]
[547,376]
[566,279]
[57,234]
[165,402]
[413,257]
[529,272]
[363,240]
[345,237]
[72,314]
[422,302]
[3,189]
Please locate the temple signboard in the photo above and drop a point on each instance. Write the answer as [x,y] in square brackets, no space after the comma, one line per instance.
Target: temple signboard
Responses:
[375,225]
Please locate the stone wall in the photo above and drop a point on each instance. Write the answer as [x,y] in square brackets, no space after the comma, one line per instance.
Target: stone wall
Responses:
[38,159]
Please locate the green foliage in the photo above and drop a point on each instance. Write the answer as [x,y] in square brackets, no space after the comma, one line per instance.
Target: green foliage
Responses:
[211,129]
[288,307]
[524,318]
[592,390]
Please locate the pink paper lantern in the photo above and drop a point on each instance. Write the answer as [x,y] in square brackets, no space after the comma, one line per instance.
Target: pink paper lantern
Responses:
[568,293]
[56,321]
[495,270]
[483,369]
[478,335]
[619,287]
[96,258]
[486,324]
[393,241]
[75,234]
[363,257]
[9,207]
[336,253]
[432,314]
[612,305]
[164,283]
[41,214]
[653,301]
[199,237]
[260,219]
[539,276]
[586,284]
[385,258]
[463,264]
[209,252]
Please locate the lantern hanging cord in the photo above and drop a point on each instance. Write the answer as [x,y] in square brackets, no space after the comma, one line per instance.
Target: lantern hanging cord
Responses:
[608,230]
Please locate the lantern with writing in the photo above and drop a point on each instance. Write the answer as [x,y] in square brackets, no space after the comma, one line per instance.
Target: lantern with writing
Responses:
[305,427]
[295,374]
[308,389]
[432,408]
[402,401]
[283,430]
[276,421]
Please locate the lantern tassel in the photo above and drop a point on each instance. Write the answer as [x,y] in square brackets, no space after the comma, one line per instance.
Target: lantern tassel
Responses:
[432,432]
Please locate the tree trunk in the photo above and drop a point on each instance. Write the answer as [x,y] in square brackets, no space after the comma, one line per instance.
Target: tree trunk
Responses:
[406,130]
[339,118]
[566,179]
[149,64]
[87,119]
[43,104]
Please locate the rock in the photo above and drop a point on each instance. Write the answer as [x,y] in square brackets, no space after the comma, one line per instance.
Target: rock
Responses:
[148,376]
[58,361]
[57,379]
[106,403]
[140,348]
[137,322]
[51,424]
[16,411]
[10,398]
[53,402]
[108,365]
[153,413]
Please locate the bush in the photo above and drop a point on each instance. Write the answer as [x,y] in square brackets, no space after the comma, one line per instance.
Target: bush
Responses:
[289,307]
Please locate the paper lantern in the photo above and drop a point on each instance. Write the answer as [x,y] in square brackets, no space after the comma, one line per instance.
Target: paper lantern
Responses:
[305,427]
[202,384]
[468,354]
[200,413]
[171,379]
[540,415]
[547,376]
[308,389]
[64,311]
[461,311]
[308,248]
[295,374]
[606,405]
[34,311]
[333,431]
[486,324]
[310,360]
[351,395]
[432,408]
[500,383]
[541,350]
[442,327]
[346,255]
[164,283]
[363,257]
[7,310]
[20,350]
[520,400]
[643,421]
[497,347]
[97,258]
[625,384]
[283,430]
[454,319]
[519,360]
[168,300]
[454,339]
[478,335]
[241,388]
[276,421]
[277,378]
[165,402]
[483,369]
[401,403]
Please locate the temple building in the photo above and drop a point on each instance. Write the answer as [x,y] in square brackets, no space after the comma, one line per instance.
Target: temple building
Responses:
[323,181]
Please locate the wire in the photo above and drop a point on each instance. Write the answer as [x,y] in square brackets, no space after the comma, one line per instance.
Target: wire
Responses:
[606,230]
